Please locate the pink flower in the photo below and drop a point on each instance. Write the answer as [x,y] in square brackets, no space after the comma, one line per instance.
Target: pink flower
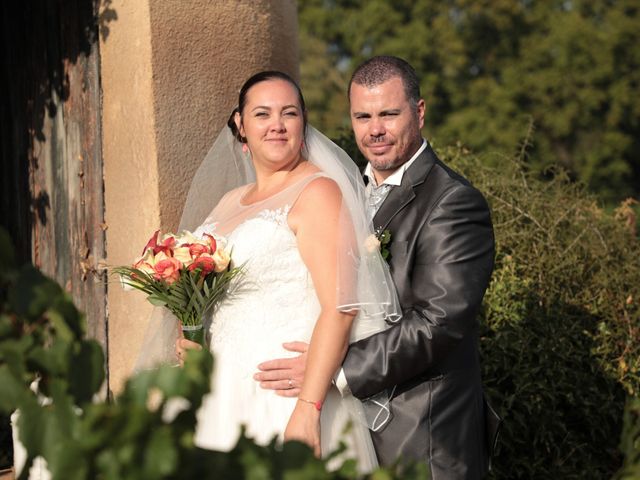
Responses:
[167,270]
[205,262]
[197,249]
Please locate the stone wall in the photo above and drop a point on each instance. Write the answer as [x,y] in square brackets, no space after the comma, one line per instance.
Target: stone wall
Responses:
[171,71]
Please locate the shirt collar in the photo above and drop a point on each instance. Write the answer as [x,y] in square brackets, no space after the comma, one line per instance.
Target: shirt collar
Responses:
[396,177]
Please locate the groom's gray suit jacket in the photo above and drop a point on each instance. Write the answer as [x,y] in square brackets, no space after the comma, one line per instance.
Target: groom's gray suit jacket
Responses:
[442,253]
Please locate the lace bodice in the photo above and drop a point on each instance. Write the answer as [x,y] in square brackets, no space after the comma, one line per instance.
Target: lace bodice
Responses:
[273,300]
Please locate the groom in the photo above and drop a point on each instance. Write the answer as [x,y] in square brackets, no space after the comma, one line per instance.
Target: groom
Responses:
[442,251]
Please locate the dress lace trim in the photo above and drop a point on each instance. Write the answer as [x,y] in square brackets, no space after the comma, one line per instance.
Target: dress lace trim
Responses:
[278,215]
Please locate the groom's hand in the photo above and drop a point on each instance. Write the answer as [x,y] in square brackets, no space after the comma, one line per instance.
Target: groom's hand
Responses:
[284,375]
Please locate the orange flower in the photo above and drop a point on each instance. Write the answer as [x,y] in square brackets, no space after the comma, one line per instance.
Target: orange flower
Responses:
[167,270]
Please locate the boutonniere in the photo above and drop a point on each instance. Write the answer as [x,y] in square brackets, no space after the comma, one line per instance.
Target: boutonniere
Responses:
[384,236]
[379,240]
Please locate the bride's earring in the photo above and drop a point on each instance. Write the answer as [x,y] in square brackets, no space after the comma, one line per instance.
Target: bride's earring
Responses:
[245,148]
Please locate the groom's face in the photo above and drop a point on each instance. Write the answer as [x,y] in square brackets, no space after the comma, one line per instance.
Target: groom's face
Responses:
[386,125]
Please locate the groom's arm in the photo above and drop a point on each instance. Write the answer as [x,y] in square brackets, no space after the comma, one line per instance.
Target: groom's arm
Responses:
[451,270]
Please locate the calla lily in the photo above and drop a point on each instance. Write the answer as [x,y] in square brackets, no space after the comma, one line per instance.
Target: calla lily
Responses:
[152,243]
[212,242]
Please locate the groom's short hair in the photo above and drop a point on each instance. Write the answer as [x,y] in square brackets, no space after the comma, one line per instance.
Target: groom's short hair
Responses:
[381,68]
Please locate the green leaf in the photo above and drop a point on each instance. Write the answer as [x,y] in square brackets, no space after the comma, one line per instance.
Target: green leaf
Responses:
[68,460]
[156,301]
[32,293]
[179,294]
[86,371]
[14,391]
[161,455]
[60,324]
[31,423]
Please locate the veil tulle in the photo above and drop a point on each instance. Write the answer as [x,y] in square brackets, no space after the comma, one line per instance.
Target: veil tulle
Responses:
[364,282]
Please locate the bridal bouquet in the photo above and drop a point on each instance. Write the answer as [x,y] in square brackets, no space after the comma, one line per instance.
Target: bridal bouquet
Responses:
[186,274]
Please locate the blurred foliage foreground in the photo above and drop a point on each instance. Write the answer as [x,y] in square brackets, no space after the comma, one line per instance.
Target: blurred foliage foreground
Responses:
[145,433]
[560,338]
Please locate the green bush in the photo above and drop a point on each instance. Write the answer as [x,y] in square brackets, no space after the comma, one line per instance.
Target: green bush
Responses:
[630,445]
[560,327]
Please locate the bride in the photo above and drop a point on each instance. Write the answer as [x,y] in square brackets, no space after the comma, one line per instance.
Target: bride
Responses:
[309,271]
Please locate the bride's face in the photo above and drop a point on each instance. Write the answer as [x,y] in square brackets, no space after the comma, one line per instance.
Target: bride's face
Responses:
[272,121]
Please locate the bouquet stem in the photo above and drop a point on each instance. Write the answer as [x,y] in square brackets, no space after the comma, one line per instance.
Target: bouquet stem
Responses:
[195,333]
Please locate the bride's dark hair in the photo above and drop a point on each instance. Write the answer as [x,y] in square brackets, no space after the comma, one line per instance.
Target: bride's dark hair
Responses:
[258,78]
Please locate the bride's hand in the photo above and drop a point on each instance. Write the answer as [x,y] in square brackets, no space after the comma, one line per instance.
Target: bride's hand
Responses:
[182,345]
[304,426]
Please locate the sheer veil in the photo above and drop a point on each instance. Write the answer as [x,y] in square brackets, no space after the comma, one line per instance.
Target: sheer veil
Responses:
[364,282]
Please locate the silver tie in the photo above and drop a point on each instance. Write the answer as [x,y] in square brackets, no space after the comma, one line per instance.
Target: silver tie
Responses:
[377,194]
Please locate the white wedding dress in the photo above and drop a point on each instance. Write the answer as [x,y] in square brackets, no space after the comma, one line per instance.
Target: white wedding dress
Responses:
[273,301]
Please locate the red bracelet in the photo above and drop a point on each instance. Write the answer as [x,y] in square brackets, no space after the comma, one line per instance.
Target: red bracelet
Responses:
[317,404]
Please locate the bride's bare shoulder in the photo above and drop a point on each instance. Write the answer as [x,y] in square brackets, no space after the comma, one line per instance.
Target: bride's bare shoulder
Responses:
[320,192]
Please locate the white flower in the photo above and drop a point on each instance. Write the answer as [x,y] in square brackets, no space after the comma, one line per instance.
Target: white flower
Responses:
[185,237]
[372,244]
[222,259]
[182,255]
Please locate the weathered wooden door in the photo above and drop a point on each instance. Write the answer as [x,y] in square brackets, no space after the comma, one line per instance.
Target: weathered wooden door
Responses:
[52,175]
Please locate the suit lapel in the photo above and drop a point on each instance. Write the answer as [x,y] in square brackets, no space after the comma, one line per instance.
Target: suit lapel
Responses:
[403,194]
[397,198]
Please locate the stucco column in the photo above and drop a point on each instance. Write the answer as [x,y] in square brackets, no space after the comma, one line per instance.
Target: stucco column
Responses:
[171,71]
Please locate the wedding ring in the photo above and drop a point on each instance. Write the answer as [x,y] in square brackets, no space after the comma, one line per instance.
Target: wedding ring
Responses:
[290,383]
